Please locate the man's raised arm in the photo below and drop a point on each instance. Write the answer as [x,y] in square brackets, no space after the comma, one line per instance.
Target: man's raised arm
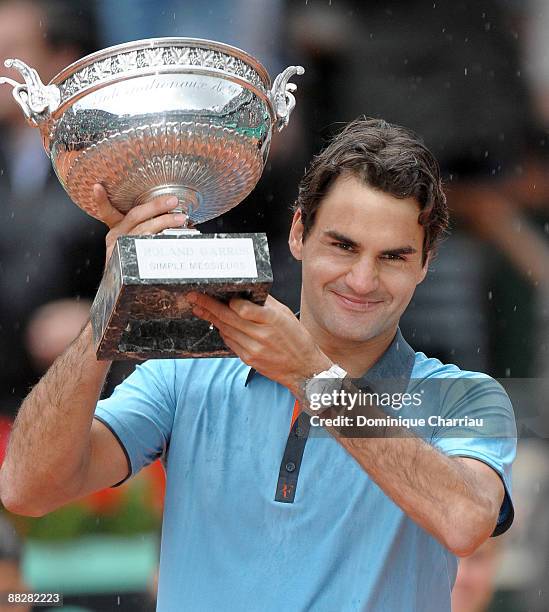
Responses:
[48,462]
[57,451]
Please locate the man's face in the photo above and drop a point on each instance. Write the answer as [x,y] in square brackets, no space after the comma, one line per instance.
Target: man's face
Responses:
[361,262]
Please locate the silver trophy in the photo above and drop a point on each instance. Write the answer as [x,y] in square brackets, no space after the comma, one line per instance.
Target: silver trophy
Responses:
[166,116]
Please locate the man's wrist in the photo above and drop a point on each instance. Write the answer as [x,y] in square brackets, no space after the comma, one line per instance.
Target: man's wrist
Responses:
[320,386]
[317,364]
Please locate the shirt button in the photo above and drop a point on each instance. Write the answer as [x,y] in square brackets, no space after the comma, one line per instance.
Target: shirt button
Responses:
[290,466]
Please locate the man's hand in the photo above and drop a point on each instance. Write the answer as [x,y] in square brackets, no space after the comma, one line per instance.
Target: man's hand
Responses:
[269,338]
[149,218]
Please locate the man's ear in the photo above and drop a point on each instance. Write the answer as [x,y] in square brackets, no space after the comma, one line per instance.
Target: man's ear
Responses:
[295,239]
[425,268]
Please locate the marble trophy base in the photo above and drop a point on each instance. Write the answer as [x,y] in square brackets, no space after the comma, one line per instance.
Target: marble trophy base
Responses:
[141,311]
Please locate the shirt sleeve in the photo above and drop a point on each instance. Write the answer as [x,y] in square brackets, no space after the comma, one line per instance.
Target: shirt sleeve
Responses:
[140,412]
[485,430]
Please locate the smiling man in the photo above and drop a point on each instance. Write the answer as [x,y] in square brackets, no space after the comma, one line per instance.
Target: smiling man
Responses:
[262,511]
[362,260]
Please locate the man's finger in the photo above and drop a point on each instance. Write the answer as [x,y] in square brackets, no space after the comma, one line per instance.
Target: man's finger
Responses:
[211,307]
[237,349]
[249,311]
[144,212]
[214,306]
[202,313]
[156,225]
[105,211]
[225,329]
[239,342]
[250,345]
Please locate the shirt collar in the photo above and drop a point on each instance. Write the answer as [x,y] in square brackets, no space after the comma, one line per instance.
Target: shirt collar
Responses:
[390,373]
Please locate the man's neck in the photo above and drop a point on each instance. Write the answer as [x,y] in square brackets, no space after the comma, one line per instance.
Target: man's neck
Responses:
[355,357]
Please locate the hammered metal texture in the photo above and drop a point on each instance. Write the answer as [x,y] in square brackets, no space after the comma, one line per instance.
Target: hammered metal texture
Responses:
[219,163]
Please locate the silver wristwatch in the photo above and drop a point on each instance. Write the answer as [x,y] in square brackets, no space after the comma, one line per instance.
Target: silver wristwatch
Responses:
[325,382]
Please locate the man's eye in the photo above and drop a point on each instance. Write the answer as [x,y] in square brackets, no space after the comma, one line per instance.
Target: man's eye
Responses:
[393,257]
[343,246]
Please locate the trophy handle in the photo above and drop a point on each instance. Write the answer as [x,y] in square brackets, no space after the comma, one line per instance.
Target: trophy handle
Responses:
[37,100]
[282,95]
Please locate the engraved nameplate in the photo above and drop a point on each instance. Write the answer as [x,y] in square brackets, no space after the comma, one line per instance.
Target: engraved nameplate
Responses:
[169,92]
[205,258]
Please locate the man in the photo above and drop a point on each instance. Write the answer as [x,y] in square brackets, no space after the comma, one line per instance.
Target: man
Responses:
[256,517]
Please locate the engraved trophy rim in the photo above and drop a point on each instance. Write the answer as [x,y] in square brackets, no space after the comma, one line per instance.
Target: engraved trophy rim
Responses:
[146,43]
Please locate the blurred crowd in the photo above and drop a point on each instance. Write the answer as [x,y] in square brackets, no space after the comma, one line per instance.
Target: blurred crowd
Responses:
[470,77]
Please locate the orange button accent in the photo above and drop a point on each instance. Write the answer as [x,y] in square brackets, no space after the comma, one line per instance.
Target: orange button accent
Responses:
[295,413]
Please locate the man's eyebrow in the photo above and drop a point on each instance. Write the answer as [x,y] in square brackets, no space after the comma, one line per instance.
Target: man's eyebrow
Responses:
[403,250]
[341,238]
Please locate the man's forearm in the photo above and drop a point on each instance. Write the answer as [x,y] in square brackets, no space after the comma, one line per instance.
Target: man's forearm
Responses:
[440,493]
[50,440]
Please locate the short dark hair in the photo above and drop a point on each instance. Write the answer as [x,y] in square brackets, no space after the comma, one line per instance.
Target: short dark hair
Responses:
[387,157]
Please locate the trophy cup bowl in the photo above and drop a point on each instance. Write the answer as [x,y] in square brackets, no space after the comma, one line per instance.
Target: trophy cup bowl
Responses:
[165,116]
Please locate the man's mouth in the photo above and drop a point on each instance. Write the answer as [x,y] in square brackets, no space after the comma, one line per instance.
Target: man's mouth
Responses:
[356,304]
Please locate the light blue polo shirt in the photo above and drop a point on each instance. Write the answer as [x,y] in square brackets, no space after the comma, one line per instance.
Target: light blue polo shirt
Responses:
[341,545]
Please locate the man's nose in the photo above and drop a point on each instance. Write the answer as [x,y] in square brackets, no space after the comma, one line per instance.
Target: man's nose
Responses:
[363,277]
